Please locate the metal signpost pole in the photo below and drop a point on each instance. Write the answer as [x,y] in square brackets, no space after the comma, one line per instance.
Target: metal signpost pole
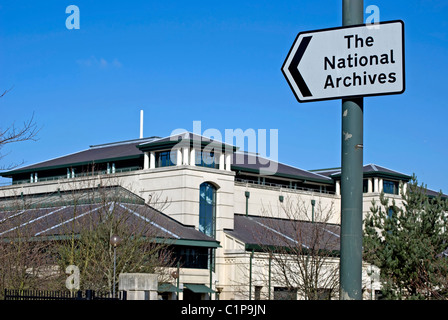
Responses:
[350,62]
[351,178]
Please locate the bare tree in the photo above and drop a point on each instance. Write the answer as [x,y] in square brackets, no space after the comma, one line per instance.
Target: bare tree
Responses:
[25,262]
[12,133]
[41,236]
[300,250]
[112,210]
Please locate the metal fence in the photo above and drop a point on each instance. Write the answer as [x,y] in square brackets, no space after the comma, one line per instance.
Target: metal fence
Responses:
[11,294]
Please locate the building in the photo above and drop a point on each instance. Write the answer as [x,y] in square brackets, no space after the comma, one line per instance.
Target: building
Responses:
[225,208]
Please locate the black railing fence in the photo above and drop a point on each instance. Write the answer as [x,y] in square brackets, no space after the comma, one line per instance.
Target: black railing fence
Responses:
[12,294]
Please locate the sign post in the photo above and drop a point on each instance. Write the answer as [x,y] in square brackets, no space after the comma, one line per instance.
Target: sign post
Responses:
[348,63]
[350,270]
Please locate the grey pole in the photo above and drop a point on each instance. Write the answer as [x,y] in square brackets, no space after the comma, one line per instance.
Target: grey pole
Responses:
[313,203]
[250,274]
[351,178]
[115,240]
[178,279]
[115,267]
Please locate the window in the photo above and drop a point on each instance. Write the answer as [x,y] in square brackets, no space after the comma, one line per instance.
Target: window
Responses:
[166,158]
[258,292]
[207,208]
[192,257]
[390,212]
[365,185]
[323,294]
[206,159]
[285,293]
[390,187]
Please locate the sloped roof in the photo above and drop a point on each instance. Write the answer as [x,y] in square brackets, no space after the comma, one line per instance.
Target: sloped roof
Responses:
[257,164]
[96,153]
[368,170]
[256,231]
[56,221]
[135,148]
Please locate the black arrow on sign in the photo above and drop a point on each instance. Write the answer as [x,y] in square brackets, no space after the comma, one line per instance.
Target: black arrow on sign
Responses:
[304,90]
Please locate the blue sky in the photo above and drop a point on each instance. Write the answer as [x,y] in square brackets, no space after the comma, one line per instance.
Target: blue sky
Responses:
[217,62]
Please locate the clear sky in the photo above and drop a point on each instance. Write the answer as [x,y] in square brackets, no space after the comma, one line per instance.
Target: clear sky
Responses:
[217,62]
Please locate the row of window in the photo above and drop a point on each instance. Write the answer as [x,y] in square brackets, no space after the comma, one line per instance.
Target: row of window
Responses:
[202,159]
[389,186]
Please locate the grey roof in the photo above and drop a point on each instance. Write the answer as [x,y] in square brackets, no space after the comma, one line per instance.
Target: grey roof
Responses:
[374,169]
[368,169]
[255,163]
[276,232]
[96,153]
[433,193]
[70,197]
[134,149]
[58,220]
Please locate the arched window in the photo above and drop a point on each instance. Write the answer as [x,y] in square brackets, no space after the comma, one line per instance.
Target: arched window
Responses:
[207,209]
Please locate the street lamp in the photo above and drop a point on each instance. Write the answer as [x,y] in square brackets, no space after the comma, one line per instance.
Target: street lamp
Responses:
[115,241]
[175,275]
[313,203]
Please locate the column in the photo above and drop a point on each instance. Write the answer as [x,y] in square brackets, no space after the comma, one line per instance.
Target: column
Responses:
[369,185]
[338,188]
[185,156]
[179,157]
[152,160]
[380,185]
[145,161]
[228,161]
[376,187]
[192,157]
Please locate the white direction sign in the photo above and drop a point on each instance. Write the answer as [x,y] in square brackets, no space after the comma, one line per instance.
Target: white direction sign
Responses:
[352,61]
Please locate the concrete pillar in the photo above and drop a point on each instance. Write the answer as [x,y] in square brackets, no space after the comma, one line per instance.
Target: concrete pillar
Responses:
[146,160]
[139,286]
[228,161]
[380,185]
[179,157]
[338,188]
[376,186]
[152,160]
[369,185]
[192,157]
[185,156]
